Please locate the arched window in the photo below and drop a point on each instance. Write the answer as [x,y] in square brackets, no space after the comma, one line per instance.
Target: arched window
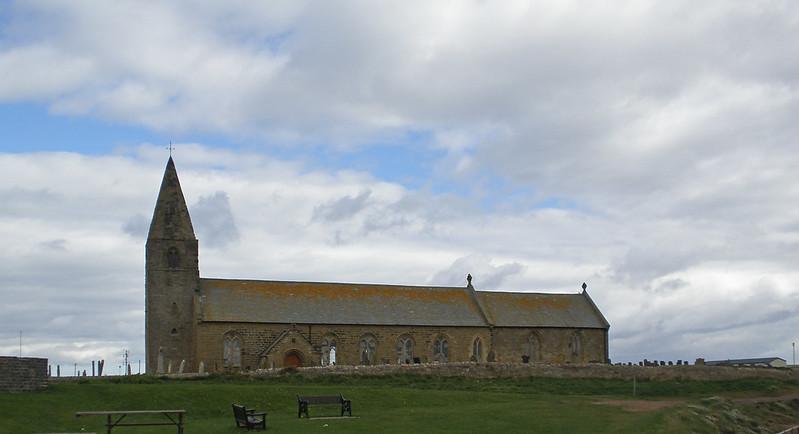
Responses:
[533,351]
[231,351]
[173,257]
[328,342]
[405,350]
[575,346]
[368,350]
[441,349]
[477,350]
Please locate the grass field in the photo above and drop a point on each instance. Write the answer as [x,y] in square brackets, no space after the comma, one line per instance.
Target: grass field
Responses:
[413,404]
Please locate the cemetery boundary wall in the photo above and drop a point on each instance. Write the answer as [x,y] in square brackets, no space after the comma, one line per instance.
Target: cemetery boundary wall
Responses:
[22,374]
[518,370]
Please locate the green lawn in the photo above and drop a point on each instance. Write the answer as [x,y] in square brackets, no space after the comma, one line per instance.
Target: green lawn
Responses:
[402,404]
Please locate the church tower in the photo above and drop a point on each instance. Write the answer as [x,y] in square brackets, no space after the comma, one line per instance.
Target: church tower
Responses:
[172,280]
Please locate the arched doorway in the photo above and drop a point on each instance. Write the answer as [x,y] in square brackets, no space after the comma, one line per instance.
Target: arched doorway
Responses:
[293,359]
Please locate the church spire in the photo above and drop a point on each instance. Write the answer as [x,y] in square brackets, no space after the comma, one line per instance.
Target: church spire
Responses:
[171,220]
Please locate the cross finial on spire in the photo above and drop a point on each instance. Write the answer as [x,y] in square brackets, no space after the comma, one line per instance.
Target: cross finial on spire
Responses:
[170,148]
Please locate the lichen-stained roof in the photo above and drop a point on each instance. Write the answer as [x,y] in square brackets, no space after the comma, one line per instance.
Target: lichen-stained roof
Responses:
[337,303]
[526,309]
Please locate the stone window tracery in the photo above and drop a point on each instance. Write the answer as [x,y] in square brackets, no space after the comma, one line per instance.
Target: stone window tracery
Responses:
[575,346]
[441,349]
[533,352]
[405,350]
[231,351]
[477,350]
[368,350]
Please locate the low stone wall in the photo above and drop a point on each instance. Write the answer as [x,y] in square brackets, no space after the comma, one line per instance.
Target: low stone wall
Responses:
[23,374]
[518,370]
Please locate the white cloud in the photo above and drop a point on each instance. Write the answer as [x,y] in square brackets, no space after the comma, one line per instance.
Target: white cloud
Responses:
[666,133]
[75,273]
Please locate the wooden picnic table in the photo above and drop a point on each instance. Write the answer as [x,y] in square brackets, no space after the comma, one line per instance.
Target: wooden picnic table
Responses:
[114,418]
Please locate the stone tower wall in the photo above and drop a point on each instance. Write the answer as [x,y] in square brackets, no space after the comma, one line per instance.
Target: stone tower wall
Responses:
[170,313]
[172,280]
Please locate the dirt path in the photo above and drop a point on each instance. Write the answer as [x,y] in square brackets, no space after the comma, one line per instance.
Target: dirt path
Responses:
[638,405]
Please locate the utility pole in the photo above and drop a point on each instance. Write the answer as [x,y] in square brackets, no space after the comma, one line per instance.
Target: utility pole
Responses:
[125,354]
[794,352]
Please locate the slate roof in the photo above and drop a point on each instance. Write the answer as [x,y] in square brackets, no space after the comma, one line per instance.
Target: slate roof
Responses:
[264,301]
[526,309]
[337,303]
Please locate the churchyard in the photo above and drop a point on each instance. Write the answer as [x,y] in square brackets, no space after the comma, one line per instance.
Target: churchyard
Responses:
[418,403]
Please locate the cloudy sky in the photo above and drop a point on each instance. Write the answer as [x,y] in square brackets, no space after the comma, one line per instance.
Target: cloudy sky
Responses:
[646,148]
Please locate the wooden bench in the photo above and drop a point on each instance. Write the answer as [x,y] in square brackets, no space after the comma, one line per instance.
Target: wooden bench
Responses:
[248,418]
[304,401]
[115,418]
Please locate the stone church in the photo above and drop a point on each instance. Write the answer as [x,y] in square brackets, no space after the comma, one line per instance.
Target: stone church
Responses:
[238,324]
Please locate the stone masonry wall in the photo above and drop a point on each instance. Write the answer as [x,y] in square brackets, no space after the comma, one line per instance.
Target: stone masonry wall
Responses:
[519,370]
[22,374]
[509,344]
[256,337]
[549,345]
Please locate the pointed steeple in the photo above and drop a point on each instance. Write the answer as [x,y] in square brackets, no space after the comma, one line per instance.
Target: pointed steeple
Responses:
[171,220]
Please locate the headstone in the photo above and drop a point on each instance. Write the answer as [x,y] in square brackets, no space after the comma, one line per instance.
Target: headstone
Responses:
[670,363]
[49,370]
[84,372]
[100,366]
[92,368]
[57,370]
[640,363]
[129,373]
[169,367]
[182,366]
[202,368]
[662,363]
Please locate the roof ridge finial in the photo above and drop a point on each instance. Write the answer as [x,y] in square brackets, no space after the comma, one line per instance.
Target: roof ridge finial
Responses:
[469,279]
[171,148]
[584,286]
